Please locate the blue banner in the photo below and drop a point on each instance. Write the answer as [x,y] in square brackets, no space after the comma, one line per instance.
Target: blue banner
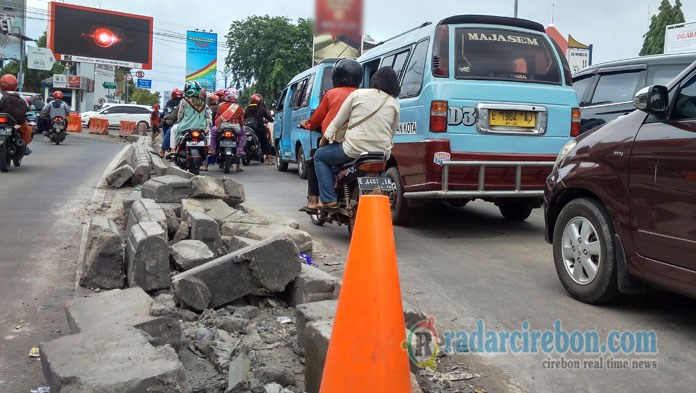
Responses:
[144,83]
[201,58]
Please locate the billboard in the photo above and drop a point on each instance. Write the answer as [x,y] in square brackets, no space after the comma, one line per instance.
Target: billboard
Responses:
[12,21]
[91,35]
[201,58]
[337,29]
[680,38]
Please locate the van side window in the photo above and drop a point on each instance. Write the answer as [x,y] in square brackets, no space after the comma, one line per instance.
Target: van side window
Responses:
[308,91]
[387,61]
[661,75]
[618,87]
[326,81]
[580,85]
[369,69]
[299,94]
[281,101]
[400,62]
[413,76]
[685,106]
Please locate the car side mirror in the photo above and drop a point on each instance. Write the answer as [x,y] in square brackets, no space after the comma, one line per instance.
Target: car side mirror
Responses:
[653,100]
[274,105]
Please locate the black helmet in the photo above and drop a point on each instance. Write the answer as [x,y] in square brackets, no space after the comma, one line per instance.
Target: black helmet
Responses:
[347,73]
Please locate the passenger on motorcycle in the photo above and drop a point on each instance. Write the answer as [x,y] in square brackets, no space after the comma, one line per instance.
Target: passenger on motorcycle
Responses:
[229,116]
[169,118]
[57,108]
[155,121]
[257,116]
[192,113]
[12,104]
[372,117]
[346,77]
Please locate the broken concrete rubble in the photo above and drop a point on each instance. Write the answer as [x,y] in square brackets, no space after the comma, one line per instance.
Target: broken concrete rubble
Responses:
[188,254]
[205,229]
[312,285]
[132,197]
[302,239]
[117,360]
[259,270]
[147,257]
[166,188]
[102,266]
[120,176]
[145,210]
[238,374]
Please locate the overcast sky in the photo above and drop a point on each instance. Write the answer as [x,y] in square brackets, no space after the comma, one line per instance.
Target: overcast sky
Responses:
[615,27]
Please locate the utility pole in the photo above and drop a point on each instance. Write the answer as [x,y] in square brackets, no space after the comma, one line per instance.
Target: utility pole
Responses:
[516,8]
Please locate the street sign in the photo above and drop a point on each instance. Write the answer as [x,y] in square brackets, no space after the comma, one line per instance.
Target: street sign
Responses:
[129,77]
[101,100]
[40,58]
[139,74]
[109,85]
[145,83]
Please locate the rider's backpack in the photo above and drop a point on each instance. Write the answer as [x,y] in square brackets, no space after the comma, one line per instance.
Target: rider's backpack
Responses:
[251,121]
[15,106]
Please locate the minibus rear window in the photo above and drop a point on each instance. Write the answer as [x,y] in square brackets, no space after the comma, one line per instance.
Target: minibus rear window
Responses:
[497,54]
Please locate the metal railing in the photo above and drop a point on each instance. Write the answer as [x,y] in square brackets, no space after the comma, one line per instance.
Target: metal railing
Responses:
[481,192]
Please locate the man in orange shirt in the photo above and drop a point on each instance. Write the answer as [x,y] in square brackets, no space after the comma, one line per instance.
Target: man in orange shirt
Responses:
[347,77]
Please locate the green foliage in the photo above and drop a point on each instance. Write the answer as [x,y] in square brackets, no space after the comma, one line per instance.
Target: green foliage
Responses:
[144,96]
[266,52]
[654,39]
[32,78]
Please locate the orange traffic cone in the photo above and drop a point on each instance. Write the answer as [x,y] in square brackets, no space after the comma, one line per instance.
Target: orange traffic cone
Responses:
[365,352]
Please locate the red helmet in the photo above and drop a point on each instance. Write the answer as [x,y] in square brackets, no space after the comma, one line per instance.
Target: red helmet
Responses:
[58,95]
[29,100]
[213,99]
[176,93]
[203,95]
[256,99]
[156,107]
[220,93]
[8,82]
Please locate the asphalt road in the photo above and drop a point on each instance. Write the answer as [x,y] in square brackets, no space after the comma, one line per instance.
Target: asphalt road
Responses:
[40,229]
[462,265]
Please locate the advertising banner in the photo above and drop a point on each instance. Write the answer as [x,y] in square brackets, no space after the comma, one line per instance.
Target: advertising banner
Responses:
[201,58]
[12,22]
[91,35]
[337,29]
[680,38]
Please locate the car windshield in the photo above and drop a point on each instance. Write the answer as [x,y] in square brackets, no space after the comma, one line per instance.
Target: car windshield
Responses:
[498,54]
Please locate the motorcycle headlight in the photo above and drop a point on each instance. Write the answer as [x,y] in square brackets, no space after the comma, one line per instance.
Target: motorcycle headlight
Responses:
[569,147]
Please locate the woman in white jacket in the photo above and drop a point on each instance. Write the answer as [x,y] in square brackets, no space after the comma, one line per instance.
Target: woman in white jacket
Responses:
[372,117]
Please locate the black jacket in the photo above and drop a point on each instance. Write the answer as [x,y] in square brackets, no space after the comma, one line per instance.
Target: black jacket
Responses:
[261,114]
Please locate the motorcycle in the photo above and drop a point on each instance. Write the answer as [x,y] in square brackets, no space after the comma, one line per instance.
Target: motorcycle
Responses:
[32,120]
[12,147]
[57,132]
[353,178]
[191,151]
[227,150]
[252,148]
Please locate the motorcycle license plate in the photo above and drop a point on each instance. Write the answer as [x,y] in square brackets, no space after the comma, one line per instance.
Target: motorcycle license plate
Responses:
[6,131]
[59,127]
[228,144]
[374,183]
[195,144]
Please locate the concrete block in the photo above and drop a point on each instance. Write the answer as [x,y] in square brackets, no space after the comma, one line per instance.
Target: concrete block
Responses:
[119,176]
[234,192]
[141,165]
[132,197]
[175,171]
[188,254]
[102,266]
[166,189]
[261,270]
[159,167]
[175,207]
[312,312]
[302,239]
[312,285]
[129,307]
[317,346]
[234,243]
[132,138]
[147,257]
[146,210]
[205,187]
[205,229]
[111,361]
[125,156]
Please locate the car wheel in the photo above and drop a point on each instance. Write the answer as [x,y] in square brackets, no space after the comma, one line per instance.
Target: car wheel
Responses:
[583,251]
[280,165]
[399,207]
[301,163]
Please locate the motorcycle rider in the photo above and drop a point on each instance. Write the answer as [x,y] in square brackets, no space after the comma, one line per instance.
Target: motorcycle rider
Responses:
[229,115]
[192,113]
[169,118]
[57,108]
[155,121]
[12,104]
[257,116]
[346,77]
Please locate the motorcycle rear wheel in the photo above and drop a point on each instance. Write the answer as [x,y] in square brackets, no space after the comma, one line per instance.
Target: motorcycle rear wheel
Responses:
[246,160]
[195,167]
[227,164]
[4,159]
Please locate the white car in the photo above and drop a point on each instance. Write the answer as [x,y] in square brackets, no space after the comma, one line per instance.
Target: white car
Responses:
[115,113]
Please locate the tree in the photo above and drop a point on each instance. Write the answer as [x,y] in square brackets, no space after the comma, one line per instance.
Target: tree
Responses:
[654,39]
[266,52]
[144,97]
[33,78]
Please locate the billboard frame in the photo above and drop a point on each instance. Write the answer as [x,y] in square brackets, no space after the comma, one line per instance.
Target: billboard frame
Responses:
[50,35]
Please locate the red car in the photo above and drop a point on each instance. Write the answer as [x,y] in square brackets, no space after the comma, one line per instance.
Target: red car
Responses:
[620,203]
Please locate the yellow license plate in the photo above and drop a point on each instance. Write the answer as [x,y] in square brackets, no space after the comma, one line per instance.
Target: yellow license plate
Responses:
[513,119]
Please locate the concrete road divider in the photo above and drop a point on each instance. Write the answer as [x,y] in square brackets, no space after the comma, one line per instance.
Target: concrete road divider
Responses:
[98,126]
[127,128]
[74,124]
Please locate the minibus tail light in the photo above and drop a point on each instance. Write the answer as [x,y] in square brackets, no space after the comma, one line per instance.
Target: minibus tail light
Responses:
[438,116]
[441,52]
[575,123]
